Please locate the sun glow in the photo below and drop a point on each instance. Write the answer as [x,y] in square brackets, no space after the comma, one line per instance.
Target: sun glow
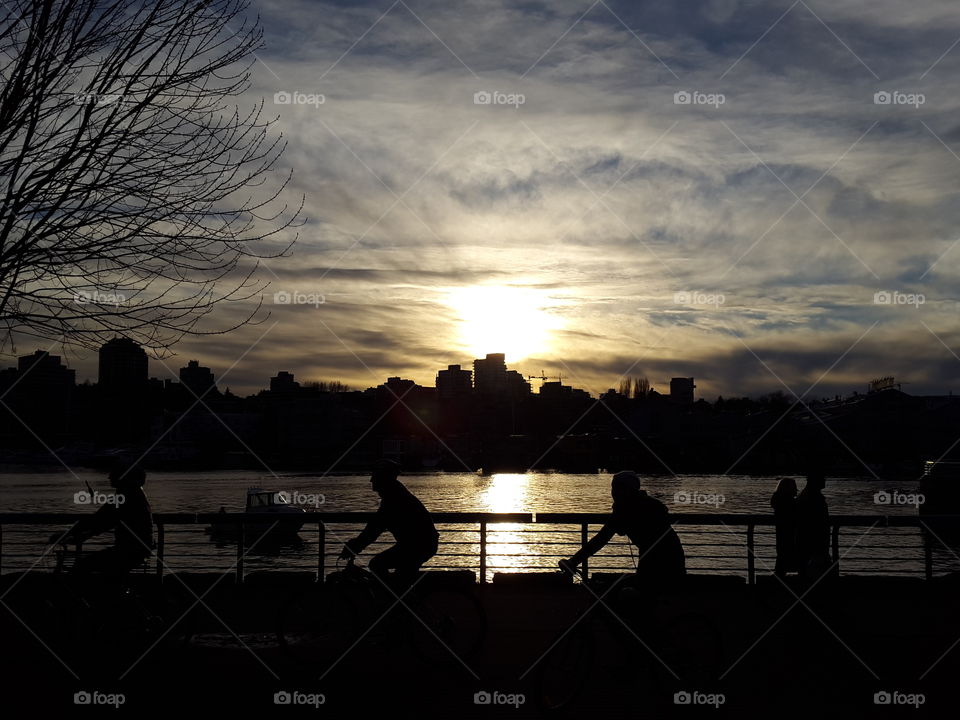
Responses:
[511,320]
[506,493]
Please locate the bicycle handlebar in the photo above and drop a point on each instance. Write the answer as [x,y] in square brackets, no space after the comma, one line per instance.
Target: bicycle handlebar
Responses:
[571,570]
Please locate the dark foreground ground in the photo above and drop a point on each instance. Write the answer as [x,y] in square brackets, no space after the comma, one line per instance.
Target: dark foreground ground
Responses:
[828,656]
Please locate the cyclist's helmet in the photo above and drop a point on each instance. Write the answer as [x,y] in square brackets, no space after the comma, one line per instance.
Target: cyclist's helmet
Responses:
[625,480]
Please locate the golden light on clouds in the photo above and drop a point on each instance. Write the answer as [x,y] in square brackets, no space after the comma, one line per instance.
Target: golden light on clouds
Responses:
[498,318]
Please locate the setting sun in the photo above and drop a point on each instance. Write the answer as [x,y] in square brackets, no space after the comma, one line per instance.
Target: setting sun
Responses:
[508,319]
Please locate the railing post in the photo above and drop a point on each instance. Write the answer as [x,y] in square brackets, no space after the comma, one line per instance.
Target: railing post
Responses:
[584,530]
[160,539]
[483,552]
[751,561]
[240,553]
[321,551]
[927,555]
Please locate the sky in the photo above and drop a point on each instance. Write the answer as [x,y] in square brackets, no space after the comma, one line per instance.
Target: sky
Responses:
[760,195]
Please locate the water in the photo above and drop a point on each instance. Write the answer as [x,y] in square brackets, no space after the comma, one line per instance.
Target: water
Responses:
[514,547]
[443,492]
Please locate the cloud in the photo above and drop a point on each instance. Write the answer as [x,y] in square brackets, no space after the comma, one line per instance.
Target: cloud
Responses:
[798,198]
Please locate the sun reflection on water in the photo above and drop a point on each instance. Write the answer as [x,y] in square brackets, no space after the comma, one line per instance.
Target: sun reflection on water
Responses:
[507,544]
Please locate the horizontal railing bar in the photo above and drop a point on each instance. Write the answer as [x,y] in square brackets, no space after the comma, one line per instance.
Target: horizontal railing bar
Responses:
[496,518]
[232,518]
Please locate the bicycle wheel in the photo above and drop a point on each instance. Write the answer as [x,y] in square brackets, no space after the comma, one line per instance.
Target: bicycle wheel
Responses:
[70,629]
[178,609]
[689,653]
[564,669]
[446,624]
[219,619]
[317,626]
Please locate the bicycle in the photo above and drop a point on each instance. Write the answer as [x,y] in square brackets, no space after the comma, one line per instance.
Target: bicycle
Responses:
[105,623]
[682,648]
[320,623]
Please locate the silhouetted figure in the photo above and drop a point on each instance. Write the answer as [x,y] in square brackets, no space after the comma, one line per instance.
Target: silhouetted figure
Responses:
[405,517]
[646,521]
[784,504]
[130,520]
[813,528]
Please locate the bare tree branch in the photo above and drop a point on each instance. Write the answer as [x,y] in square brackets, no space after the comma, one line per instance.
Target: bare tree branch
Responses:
[132,185]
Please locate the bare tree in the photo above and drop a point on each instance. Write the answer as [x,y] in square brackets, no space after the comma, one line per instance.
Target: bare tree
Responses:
[131,197]
[333,386]
[641,387]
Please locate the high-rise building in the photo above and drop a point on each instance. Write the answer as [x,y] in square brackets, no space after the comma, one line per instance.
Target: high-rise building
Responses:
[198,379]
[283,382]
[490,374]
[454,382]
[492,379]
[681,390]
[123,367]
[398,387]
[516,384]
[43,393]
[43,372]
[555,389]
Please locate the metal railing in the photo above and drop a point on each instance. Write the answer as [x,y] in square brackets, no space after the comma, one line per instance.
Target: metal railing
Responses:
[485,543]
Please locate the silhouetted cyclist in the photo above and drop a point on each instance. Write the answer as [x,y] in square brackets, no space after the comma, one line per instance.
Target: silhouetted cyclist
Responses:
[646,521]
[405,517]
[128,515]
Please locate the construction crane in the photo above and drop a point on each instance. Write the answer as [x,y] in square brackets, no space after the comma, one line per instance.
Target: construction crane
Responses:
[543,378]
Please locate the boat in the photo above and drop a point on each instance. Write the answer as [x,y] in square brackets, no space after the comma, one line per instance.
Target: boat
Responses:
[271,513]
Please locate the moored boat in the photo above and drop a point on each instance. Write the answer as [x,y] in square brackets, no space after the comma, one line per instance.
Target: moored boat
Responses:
[270,512]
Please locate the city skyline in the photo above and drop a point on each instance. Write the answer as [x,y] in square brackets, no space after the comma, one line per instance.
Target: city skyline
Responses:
[199,375]
[487,417]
